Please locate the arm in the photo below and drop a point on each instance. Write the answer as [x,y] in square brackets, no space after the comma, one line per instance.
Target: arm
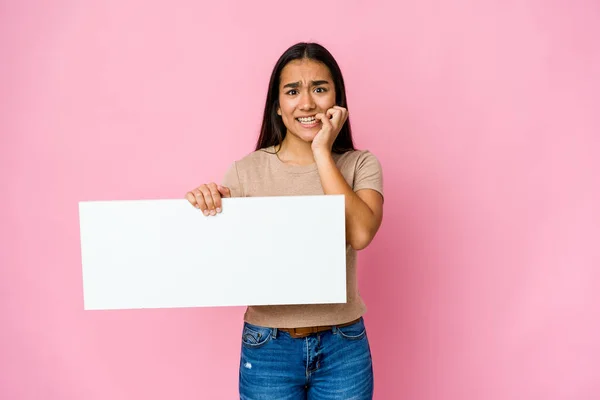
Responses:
[364,208]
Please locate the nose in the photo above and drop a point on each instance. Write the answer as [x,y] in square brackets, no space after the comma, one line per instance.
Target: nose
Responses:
[306,101]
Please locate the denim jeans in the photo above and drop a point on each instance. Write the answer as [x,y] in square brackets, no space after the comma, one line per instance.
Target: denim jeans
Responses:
[334,364]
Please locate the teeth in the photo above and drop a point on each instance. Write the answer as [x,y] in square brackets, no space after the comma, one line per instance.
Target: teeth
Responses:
[306,120]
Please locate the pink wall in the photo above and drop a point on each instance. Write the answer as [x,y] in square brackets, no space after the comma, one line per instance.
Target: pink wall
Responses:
[484,282]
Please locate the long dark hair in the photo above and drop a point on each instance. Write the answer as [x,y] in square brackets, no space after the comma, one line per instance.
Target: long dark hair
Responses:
[273,130]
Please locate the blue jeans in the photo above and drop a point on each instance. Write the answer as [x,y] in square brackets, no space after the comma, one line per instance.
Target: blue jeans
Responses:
[329,365]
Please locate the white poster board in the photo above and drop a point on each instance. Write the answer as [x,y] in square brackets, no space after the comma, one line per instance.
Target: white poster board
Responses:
[258,251]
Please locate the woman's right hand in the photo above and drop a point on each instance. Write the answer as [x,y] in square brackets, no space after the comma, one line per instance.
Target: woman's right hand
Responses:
[207,197]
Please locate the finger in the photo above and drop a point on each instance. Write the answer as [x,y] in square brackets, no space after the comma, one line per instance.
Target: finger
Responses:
[324,120]
[336,117]
[216,197]
[335,113]
[344,112]
[225,192]
[192,199]
[200,200]
[210,204]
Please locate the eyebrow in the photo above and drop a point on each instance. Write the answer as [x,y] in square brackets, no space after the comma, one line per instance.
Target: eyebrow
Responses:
[294,85]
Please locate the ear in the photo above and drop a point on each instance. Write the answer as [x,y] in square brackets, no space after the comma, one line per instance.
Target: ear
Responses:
[279,111]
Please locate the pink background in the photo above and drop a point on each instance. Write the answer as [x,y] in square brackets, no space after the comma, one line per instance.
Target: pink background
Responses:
[484,281]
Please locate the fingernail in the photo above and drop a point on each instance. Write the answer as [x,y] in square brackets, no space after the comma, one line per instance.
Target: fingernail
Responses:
[218,209]
[205,212]
[197,206]
[212,212]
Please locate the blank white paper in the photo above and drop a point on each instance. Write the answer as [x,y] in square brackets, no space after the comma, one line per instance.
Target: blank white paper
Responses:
[258,251]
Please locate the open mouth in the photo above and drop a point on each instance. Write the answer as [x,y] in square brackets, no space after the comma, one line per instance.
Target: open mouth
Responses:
[307,121]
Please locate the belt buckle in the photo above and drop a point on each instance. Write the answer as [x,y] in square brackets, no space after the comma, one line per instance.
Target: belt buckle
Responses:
[305,331]
[301,332]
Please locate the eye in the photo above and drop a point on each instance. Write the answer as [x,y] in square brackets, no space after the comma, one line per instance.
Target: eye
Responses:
[292,92]
[320,90]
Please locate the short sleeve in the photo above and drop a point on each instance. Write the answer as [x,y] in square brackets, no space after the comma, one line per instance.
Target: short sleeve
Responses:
[368,173]
[231,180]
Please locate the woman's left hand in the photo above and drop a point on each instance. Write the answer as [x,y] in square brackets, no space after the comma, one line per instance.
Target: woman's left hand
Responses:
[332,122]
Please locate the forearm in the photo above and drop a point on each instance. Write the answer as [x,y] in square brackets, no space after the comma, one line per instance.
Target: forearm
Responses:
[361,221]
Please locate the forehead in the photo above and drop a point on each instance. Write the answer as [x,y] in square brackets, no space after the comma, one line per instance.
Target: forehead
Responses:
[304,71]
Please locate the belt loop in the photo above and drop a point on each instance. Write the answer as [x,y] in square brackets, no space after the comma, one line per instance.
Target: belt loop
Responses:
[334,329]
[274,333]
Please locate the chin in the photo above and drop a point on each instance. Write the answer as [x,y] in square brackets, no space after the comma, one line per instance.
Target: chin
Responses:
[307,137]
[310,137]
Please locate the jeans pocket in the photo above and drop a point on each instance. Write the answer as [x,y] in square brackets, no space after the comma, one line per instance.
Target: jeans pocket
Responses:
[254,336]
[353,332]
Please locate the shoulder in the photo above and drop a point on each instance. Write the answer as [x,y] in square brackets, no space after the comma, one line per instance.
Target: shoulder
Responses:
[362,169]
[249,168]
[357,159]
[255,159]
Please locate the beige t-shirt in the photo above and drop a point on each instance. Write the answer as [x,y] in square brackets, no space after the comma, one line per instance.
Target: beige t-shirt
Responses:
[263,174]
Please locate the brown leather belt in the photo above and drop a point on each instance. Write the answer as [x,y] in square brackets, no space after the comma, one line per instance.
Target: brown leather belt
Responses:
[309,330]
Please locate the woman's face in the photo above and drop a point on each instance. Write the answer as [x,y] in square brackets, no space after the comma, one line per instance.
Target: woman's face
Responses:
[305,89]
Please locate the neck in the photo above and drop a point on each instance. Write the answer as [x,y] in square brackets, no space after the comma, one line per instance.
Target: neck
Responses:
[295,151]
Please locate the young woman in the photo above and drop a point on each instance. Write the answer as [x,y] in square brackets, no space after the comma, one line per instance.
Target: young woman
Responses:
[305,147]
